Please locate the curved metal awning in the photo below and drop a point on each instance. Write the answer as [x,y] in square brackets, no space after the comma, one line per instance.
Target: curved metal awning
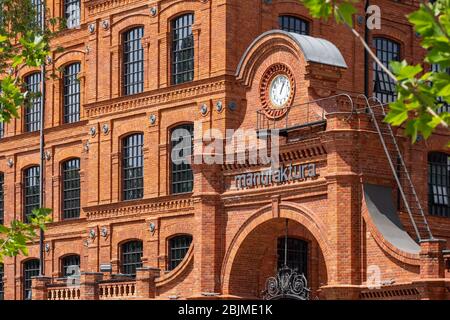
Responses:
[384,215]
[316,50]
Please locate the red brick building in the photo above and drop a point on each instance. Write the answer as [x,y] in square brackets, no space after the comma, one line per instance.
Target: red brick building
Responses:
[146,68]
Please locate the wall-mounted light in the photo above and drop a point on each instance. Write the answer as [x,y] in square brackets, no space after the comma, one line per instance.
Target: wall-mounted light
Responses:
[153,11]
[152,227]
[152,119]
[204,109]
[92,131]
[10,163]
[104,232]
[105,128]
[219,106]
[47,247]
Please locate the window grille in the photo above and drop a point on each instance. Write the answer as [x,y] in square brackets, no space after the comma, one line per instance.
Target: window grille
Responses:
[133,167]
[182,176]
[133,61]
[131,257]
[297,254]
[178,247]
[387,51]
[30,270]
[439,184]
[69,265]
[31,191]
[294,24]
[72,13]
[71,93]
[33,107]
[182,49]
[71,189]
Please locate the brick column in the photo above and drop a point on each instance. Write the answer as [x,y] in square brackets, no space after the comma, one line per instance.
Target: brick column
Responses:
[89,285]
[145,282]
[432,264]
[39,287]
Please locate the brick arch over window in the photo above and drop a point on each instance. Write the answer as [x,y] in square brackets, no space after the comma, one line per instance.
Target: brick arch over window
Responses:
[290,211]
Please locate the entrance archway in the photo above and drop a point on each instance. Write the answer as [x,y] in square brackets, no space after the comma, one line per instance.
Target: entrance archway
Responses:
[254,254]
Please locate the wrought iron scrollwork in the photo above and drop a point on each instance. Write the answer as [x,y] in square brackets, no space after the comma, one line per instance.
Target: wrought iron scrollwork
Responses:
[287,284]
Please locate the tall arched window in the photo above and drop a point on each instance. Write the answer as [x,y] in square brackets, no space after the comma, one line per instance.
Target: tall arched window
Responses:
[131,257]
[30,270]
[182,49]
[71,189]
[2,195]
[2,290]
[178,247]
[70,265]
[33,107]
[133,167]
[133,61]
[71,93]
[31,191]
[387,51]
[439,184]
[72,12]
[294,24]
[182,145]
[297,254]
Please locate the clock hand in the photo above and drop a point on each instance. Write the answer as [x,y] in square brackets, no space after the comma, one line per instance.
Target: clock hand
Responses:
[282,87]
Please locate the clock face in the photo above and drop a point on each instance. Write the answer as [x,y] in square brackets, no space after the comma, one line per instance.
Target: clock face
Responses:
[280,91]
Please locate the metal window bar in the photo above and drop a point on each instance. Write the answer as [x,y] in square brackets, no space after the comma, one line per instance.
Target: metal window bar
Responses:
[131,257]
[72,13]
[30,269]
[387,51]
[133,167]
[294,24]
[182,176]
[443,106]
[182,49]
[71,189]
[439,184]
[68,263]
[31,191]
[133,61]
[71,93]
[2,288]
[178,248]
[39,10]
[33,107]
[296,254]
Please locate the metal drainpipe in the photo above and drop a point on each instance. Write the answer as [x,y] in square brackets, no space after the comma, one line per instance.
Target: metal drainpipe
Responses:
[366,54]
[41,149]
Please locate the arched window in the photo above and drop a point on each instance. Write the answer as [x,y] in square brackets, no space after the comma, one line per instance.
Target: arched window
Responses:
[182,145]
[72,11]
[2,290]
[387,51]
[31,191]
[133,167]
[297,254]
[293,24]
[33,107]
[2,195]
[178,247]
[70,265]
[71,93]
[131,257]
[30,270]
[182,49]
[71,189]
[133,61]
[439,184]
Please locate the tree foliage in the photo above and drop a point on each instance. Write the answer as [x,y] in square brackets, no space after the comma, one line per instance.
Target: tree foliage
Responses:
[420,95]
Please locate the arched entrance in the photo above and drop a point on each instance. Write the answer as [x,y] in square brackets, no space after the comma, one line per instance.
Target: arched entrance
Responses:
[257,254]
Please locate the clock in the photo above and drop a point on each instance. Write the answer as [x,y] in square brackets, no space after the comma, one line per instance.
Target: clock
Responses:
[277,90]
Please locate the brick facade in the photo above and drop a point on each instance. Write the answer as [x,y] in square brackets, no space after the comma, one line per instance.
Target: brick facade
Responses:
[234,231]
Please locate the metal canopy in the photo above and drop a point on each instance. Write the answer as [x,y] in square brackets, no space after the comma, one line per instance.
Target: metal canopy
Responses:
[316,50]
[381,209]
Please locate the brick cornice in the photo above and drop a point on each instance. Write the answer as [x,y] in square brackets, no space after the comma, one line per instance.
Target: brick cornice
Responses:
[151,98]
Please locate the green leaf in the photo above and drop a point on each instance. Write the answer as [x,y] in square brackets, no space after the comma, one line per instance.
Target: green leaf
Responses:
[345,12]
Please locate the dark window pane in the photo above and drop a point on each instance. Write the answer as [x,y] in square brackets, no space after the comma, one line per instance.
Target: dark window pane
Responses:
[442,105]
[30,269]
[297,254]
[33,106]
[182,49]
[131,257]
[178,247]
[294,24]
[182,177]
[133,167]
[439,184]
[2,195]
[71,189]
[72,11]
[70,264]
[387,51]
[133,61]
[38,8]
[31,191]
[2,128]
[71,97]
